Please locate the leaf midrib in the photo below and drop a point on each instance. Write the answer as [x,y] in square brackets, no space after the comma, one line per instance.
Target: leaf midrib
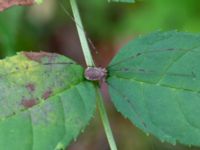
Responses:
[162,76]
[155,84]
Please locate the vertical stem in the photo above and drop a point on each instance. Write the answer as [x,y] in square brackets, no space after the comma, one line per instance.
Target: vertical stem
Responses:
[105,121]
[83,39]
[90,62]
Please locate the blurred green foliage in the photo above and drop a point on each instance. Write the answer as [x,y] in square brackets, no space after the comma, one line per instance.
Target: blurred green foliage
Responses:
[9,24]
[166,15]
[103,21]
[126,1]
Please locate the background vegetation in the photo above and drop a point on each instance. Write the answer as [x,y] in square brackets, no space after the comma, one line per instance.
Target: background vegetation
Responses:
[48,28]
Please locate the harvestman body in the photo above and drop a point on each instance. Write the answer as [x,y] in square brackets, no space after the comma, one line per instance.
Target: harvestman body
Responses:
[95,74]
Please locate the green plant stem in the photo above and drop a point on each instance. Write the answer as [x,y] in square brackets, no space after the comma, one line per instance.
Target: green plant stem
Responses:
[105,121]
[90,62]
[82,36]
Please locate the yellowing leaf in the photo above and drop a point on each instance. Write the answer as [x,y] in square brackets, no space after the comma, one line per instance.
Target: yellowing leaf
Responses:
[44,103]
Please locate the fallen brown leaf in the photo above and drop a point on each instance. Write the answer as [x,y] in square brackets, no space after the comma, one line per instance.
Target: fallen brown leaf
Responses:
[4,4]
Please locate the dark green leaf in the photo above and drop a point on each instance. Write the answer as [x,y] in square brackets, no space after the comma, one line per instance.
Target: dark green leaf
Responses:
[155,82]
[44,101]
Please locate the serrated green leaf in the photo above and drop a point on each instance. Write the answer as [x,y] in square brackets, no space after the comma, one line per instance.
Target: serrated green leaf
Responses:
[126,1]
[155,82]
[44,101]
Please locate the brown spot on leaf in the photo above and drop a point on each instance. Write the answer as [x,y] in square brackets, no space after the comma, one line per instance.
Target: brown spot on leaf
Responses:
[28,103]
[47,94]
[30,87]
[37,56]
[8,3]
